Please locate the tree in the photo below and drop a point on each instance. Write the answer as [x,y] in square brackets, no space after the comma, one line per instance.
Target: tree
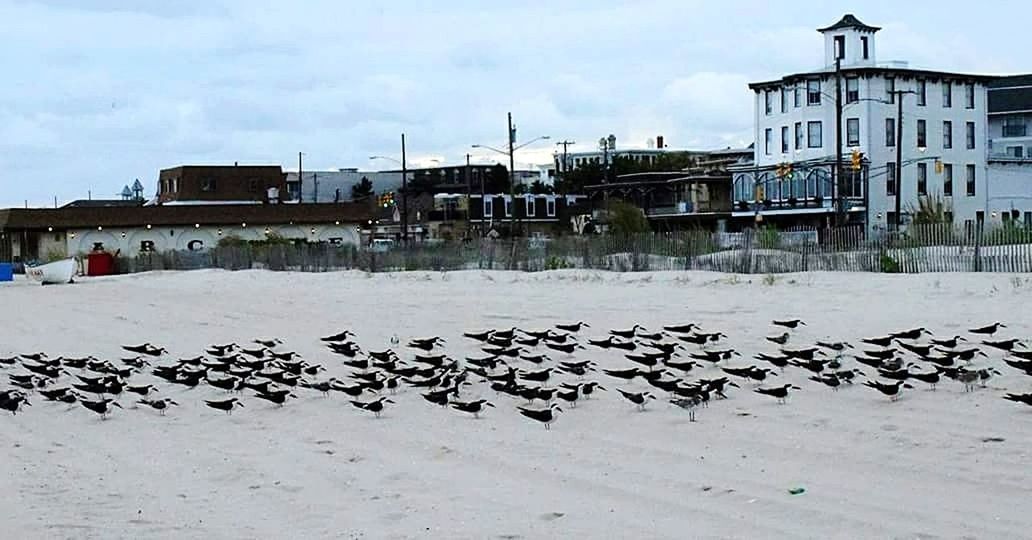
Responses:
[497,180]
[932,209]
[362,190]
[540,188]
[625,218]
[573,182]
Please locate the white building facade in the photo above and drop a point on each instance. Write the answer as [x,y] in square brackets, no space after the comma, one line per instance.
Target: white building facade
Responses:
[944,143]
[1010,150]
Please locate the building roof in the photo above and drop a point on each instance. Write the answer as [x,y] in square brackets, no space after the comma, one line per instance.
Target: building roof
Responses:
[849,21]
[103,203]
[165,216]
[900,72]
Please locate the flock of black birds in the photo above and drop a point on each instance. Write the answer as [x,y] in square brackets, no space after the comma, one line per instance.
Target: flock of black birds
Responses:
[517,363]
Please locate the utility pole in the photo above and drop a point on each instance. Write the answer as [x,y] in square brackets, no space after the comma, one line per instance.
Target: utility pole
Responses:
[565,167]
[404,195]
[836,177]
[512,178]
[899,155]
[300,179]
[469,191]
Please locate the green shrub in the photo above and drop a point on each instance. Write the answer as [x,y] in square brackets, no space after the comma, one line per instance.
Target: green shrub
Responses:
[768,238]
[889,265]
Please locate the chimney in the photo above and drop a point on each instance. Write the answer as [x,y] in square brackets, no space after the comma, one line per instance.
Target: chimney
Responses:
[659,142]
[236,163]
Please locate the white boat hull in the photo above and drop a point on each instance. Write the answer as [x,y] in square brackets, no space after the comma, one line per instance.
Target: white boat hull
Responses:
[53,273]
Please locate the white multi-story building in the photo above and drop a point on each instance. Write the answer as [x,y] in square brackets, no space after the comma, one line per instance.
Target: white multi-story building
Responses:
[1010,150]
[944,142]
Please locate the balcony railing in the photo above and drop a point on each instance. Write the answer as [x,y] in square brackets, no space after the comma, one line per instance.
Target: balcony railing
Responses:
[688,208]
[1015,131]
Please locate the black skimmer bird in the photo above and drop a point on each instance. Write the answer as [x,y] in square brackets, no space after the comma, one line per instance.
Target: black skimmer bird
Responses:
[376,407]
[911,334]
[626,374]
[837,346]
[627,334]
[278,398]
[501,342]
[829,379]
[883,354]
[948,343]
[931,378]
[816,366]
[285,356]
[639,399]
[780,362]
[35,357]
[143,390]
[681,366]
[779,392]
[12,401]
[1019,398]
[889,389]
[802,354]
[426,344]
[988,330]
[1004,345]
[101,407]
[269,343]
[1021,365]
[569,394]
[681,328]
[472,407]
[780,340]
[965,354]
[879,341]
[226,405]
[545,416]
[575,327]
[847,375]
[920,350]
[567,348]
[505,334]
[342,336]
[894,374]
[145,348]
[654,336]
[528,342]
[478,336]
[647,361]
[160,405]
[536,376]
[789,323]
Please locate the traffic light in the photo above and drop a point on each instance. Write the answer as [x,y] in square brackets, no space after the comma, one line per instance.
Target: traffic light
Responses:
[938,167]
[387,199]
[858,160]
[783,170]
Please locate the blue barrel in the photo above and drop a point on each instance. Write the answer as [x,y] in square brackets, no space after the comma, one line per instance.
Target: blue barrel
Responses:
[6,272]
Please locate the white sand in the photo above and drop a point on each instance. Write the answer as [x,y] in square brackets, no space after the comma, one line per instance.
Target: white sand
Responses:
[318,468]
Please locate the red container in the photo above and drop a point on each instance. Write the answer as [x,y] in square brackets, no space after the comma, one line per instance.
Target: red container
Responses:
[100,264]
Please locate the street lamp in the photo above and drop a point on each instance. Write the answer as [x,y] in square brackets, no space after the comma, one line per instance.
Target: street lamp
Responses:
[404,190]
[513,147]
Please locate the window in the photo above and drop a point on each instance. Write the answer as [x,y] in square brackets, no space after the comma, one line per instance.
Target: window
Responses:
[797,96]
[969,95]
[1028,220]
[814,137]
[531,208]
[784,139]
[947,180]
[488,208]
[1014,127]
[768,134]
[768,101]
[980,218]
[922,179]
[970,180]
[890,179]
[208,184]
[1005,216]
[864,45]
[890,132]
[840,47]
[813,92]
[252,185]
[970,135]
[784,100]
[852,132]
[550,207]
[890,217]
[508,207]
[1015,151]
[947,134]
[948,216]
[852,90]
[922,93]
[799,139]
[947,95]
[890,89]
[922,134]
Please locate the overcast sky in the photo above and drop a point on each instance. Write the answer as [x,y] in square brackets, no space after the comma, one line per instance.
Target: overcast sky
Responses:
[96,94]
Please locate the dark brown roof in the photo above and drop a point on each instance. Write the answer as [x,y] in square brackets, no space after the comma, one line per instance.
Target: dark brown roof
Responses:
[103,203]
[180,215]
[849,21]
